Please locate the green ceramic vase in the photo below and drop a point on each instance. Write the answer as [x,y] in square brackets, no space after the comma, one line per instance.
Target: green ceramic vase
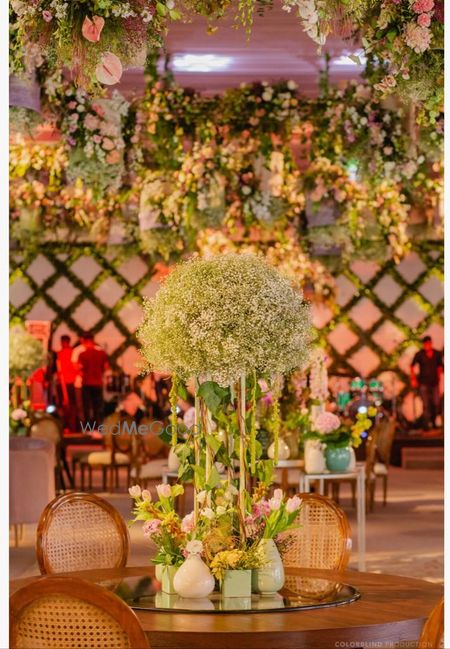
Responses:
[337,459]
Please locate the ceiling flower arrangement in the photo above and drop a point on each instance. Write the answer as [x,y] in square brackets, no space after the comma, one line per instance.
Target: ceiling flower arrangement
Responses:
[95,39]
[177,162]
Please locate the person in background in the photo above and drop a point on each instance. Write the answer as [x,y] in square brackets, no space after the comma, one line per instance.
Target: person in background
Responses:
[430,363]
[66,372]
[92,363]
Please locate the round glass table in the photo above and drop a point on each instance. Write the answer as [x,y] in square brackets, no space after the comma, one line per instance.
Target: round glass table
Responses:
[299,593]
[391,609]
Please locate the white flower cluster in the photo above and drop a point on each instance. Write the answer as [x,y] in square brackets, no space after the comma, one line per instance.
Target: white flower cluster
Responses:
[26,353]
[225,316]
[318,376]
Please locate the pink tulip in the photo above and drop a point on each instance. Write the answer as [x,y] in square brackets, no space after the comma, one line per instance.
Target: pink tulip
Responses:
[47,15]
[109,70]
[92,29]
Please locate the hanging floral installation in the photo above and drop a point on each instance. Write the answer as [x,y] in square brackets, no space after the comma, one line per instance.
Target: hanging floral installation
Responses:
[252,162]
[94,39]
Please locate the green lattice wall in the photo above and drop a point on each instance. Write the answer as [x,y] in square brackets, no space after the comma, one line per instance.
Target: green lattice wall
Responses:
[381,311]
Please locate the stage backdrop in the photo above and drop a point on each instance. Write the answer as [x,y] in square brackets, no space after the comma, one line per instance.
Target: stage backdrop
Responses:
[381,310]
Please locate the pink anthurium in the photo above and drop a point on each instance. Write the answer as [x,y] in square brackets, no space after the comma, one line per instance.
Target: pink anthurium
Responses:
[109,70]
[92,29]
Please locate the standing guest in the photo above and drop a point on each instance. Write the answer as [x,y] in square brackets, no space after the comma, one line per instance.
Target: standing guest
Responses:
[93,363]
[431,366]
[67,372]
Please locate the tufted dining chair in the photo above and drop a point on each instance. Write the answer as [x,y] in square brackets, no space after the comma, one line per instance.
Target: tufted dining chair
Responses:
[322,538]
[68,612]
[81,531]
[31,480]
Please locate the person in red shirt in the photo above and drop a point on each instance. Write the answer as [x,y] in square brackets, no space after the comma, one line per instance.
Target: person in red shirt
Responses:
[67,372]
[93,363]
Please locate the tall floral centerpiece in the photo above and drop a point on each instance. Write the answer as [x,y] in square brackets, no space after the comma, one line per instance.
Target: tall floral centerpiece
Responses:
[226,322]
[26,354]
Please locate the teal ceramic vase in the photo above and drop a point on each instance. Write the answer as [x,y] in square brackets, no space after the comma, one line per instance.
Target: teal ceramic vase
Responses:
[337,459]
[237,583]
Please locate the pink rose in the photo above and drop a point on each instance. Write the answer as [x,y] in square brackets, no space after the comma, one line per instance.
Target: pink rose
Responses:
[47,15]
[97,139]
[424,20]
[417,38]
[72,105]
[92,29]
[151,527]
[422,6]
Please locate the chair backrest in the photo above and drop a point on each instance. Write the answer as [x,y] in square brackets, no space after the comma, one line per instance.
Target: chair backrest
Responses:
[432,636]
[47,427]
[371,450]
[322,539]
[385,438]
[81,531]
[69,612]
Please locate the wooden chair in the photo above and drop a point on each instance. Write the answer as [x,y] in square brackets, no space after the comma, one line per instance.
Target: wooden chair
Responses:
[385,439]
[120,455]
[67,612]
[81,531]
[51,429]
[323,538]
[371,447]
[432,636]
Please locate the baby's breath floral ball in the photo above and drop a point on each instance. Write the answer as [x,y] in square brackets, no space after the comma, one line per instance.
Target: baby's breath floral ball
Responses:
[26,353]
[224,316]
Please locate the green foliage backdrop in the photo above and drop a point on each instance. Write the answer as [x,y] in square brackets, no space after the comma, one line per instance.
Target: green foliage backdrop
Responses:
[429,267]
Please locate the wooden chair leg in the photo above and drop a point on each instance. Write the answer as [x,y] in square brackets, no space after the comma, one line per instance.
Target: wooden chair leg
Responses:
[90,476]
[111,479]
[385,485]
[103,478]
[116,475]
[372,495]
[82,469]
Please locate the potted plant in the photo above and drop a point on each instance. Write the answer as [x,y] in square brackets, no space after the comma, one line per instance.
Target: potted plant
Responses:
[338,438]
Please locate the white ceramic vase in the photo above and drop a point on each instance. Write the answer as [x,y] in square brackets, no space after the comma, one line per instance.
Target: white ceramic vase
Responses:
[173,461]
[283,450]
[193,579]
[314,456]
